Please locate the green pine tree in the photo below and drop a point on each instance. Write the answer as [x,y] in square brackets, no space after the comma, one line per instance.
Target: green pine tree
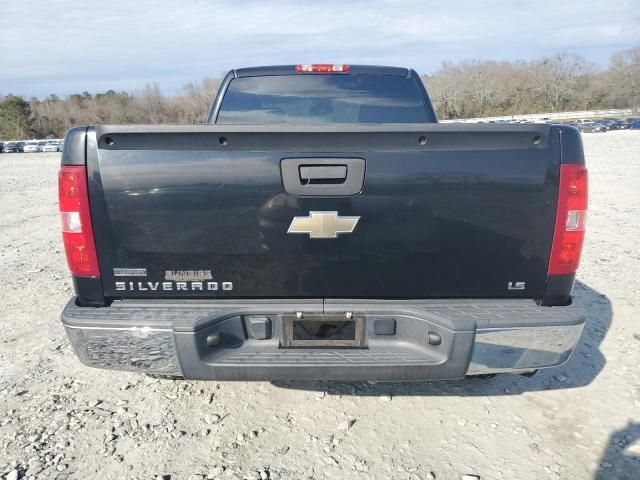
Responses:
[15,118]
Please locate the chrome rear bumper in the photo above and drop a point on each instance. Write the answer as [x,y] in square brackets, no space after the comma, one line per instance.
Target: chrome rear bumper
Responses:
[521,349]
[175,338]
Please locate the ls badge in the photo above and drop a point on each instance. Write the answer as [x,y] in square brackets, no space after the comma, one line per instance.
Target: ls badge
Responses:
[323,224]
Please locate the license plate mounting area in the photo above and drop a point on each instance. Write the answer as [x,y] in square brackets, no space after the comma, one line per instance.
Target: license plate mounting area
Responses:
[323,330]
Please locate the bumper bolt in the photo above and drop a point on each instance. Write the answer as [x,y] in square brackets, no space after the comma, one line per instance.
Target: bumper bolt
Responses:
[434,338]
[213,339]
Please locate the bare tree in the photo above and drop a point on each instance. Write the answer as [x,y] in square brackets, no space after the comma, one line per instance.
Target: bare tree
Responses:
[556,79]
[624,71]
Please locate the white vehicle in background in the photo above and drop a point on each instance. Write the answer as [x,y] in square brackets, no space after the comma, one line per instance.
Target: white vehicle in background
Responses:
[52,147]
[31,147]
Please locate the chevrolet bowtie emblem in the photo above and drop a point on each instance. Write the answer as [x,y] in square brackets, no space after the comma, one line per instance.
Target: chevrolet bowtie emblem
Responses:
[323,224]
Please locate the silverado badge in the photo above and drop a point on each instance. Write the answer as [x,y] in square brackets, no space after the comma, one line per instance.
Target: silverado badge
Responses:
[323,224]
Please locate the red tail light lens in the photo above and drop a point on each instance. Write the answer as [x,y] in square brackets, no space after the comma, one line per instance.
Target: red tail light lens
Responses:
[568,235]
[322,68]
[77,233]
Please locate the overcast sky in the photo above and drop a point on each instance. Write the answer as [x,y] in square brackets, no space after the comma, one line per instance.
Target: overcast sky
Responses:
[66,46]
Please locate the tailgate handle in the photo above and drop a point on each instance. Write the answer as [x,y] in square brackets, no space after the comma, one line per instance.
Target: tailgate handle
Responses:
[323,177]
[322,174]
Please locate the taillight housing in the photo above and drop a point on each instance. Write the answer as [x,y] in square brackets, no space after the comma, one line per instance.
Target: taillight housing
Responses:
[568,235]
[77,233]
[322,68]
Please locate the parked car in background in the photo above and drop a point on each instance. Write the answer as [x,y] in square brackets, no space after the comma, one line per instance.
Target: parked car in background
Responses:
[21,146]
[41,144]
[31,147]
[52,147]
[11,147]
[1,147]
[616,123]
[610,123]
[635,125]
[592,127]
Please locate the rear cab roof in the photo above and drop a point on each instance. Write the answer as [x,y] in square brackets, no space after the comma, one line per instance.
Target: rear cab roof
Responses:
[282,70]
[291,70]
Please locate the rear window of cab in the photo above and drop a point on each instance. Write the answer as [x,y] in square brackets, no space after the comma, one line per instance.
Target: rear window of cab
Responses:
[319,99]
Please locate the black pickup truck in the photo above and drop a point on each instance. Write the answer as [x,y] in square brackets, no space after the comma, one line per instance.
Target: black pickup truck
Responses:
[323,225]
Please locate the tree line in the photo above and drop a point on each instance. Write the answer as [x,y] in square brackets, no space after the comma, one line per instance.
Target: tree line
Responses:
[562,82]
[470,88]
[52,116]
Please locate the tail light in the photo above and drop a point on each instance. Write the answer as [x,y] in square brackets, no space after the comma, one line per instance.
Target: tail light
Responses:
[568,235]
[77,233]
[322,68]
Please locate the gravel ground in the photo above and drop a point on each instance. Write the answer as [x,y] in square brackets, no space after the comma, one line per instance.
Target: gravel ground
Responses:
[59,419]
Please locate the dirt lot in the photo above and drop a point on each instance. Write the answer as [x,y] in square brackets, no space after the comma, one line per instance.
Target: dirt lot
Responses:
[59,419]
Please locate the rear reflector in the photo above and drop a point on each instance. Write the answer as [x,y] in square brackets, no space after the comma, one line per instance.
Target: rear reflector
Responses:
[322,68]
[568,235]
[77,233]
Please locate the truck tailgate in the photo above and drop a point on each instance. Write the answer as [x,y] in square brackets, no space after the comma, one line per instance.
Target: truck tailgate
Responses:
[449,210]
